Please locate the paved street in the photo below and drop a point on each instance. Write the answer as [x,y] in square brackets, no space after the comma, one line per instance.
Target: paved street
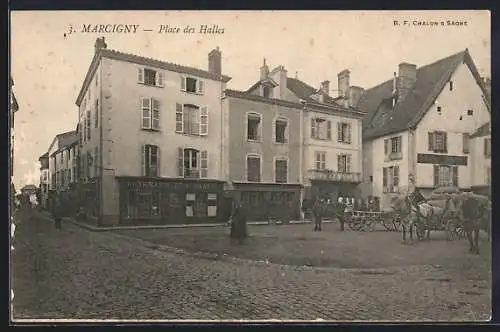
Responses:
[74,273]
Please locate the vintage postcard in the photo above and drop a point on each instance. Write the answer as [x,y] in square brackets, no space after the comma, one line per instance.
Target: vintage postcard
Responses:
[250,166]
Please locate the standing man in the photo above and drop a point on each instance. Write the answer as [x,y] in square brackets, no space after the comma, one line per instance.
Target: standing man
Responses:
[317,214]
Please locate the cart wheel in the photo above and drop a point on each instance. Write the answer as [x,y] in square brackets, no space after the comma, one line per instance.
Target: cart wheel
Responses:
[388,224]
[454,230]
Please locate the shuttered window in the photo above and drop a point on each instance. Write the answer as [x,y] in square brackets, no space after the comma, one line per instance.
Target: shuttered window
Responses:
[465,142]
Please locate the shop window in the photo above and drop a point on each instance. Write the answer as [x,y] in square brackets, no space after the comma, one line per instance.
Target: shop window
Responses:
[196,205]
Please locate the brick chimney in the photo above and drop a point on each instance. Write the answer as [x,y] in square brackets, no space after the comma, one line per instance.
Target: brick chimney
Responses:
[264,71]
[406,79]
[100,44]
[279,75]
[215,61]
[325,87]
[355,93]
[343,82]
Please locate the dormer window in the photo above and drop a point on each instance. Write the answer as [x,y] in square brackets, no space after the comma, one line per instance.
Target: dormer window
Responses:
[266,91]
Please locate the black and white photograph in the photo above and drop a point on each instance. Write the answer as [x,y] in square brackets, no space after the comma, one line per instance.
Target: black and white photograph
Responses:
[241,166]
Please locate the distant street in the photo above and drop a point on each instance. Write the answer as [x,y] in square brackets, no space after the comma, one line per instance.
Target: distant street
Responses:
[77,274]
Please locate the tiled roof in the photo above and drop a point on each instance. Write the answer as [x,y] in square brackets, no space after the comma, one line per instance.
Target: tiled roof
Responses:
[44,156]
[66,140]
[117,55]
[248,96]
[305,92]
[381,119]
[484,130]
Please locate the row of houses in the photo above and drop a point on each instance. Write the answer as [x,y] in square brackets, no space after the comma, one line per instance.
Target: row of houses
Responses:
[14,107]
[158,142]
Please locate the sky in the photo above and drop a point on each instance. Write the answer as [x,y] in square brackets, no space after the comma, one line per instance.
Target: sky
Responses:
[48,64]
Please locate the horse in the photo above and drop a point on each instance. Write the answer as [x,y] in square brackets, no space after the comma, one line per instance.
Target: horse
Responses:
[475,213]
[419,216]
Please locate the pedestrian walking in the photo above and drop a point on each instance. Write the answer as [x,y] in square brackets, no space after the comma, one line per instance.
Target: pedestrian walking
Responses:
[318,214]
[56,211]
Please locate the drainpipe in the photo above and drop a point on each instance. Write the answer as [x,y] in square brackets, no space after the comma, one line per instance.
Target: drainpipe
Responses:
[101,159]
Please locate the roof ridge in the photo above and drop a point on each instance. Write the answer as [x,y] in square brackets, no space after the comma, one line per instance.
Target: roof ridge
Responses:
[157,60]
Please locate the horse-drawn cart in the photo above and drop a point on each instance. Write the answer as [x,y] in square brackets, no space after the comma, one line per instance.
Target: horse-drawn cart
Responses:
[368,220]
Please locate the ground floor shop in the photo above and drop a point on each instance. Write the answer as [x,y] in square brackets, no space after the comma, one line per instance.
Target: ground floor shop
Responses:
[169,201]
[329,190]
[263,202]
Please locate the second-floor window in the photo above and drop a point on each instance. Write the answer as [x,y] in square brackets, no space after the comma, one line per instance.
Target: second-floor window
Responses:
[281,170]
[87,124]
[344,163]
[191,119]
[320,160]
[253,168]
[487,147]
[344,132]
[393,147]
[150,160]
[465,143]
[321,129]
[438,141]
[445,175]
[96,116]
[150,77]
[281,130]
[390,179]
[192,85]
[193,163]
[150,114]
[254,127]
[266,91]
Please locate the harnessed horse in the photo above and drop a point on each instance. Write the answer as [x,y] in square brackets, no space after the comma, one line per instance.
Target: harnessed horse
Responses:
[419,215]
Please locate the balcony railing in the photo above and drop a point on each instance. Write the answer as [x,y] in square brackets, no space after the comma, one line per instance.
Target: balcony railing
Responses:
[329,175]
[191,173]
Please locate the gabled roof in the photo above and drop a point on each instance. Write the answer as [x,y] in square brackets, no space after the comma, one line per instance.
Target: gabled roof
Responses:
[484,130]
[406,114]
[121,56]
[248,96]
[305,92]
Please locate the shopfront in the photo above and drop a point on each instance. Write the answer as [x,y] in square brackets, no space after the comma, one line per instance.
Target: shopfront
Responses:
[169,201]
[263,202]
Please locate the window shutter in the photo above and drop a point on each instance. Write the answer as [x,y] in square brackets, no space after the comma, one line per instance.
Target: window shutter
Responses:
[339,132]
[400,139]
[329,130]
[155,114]
[339,163]
[486,147]
[349,134]
[140,75]
[204,163]
[445,140]
[145,113]
[430,139]
[159,79]
[395,176]
[203,121]
[179,118]
[436,175]
[287,133]
[274,130]
[386,146]
[465,142]
[384,178]
[183,83]
[454,170]
[200,86]
[143,160]
[158,161]
[348,166]
[180,162]
[313,128]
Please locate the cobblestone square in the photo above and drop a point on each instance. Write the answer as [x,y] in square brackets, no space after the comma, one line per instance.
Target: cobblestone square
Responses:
[77,274]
